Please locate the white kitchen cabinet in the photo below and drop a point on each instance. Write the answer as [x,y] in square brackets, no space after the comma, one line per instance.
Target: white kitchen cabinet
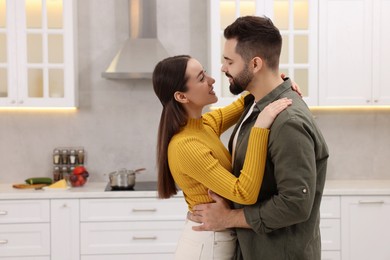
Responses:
[37,53]
[365,227]
[140,237]
[330,228]
[126,257]
[65,229]
[297,21]
[353,52]
[24,229]
[146,228]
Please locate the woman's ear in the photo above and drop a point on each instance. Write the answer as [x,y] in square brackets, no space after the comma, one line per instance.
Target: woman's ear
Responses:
[257,64]
[180,97]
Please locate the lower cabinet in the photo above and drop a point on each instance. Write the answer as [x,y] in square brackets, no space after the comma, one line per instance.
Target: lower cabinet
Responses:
[130,228]
[126,257]
[65,229]
[24,229]
[330,228]
[365,227]
[352,228]
[90,229]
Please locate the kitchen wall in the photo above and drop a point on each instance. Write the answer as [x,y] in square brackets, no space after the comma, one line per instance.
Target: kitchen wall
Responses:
[117,120]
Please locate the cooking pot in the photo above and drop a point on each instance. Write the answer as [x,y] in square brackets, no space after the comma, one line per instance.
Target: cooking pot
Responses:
[123,179]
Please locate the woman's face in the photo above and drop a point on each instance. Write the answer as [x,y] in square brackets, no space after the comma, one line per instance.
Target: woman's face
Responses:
[200,85]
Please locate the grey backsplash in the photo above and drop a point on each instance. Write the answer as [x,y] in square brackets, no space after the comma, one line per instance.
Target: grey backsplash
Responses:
[117,120]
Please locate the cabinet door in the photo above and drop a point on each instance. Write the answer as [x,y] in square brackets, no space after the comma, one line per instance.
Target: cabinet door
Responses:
[141,237]
[365,227]
[24,240]
[381,52]
[24,211]
[330,255]
[345,52]
[129,256]
[330,234]
[132,209]
[297,22]
[65,229]
[38,67]
[8,90]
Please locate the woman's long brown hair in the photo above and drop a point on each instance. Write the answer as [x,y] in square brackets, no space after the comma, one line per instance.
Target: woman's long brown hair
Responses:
[169,76]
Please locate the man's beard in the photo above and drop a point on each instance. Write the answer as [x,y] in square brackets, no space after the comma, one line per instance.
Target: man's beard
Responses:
[241,82]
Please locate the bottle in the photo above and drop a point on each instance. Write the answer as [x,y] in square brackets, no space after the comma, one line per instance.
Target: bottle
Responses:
[56,156]
[64,172]
[56,173]
[64,156]
[81,156]
[72,157]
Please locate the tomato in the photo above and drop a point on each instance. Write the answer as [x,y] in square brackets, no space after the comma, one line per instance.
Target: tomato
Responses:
[79,170]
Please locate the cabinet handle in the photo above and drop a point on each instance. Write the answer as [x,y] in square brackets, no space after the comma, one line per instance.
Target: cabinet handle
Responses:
[3,241]
[145,238]
[21,102]
[371,202]
[3,212]
[144,210]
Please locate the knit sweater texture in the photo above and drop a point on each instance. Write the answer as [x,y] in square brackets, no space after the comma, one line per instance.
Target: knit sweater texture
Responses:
[199,161]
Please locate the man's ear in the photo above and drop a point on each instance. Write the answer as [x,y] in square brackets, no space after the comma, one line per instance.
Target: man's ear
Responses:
[257,64]
[180,97]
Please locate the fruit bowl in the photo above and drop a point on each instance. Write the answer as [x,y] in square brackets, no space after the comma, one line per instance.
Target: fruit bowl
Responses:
[78,177]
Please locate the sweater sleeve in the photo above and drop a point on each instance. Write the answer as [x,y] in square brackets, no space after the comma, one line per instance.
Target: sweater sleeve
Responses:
[196,160]
[223,118]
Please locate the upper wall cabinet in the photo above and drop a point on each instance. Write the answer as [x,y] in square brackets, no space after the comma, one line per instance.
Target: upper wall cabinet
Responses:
[37,53]
[354,54]
[297,22]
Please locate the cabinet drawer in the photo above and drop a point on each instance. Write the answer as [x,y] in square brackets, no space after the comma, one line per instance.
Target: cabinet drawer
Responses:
[25,239]
[330,234]
[330,207]
[130,237]
[28,258]
[24,211]
[330,255]
[132,209]
[127,257]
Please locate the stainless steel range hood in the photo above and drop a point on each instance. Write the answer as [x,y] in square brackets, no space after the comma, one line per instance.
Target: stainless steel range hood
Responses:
[141,52]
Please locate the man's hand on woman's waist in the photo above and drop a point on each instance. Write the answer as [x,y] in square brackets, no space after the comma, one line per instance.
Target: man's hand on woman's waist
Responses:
[217,216]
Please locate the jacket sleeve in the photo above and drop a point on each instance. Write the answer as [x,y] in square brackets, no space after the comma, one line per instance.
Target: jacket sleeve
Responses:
[293,156]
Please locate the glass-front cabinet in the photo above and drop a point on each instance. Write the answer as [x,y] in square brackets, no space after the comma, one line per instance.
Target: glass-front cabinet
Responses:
[297,22]
[37,53]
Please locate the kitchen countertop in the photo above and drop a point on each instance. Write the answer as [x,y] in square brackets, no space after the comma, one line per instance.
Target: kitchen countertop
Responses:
[89,190]
[96,190]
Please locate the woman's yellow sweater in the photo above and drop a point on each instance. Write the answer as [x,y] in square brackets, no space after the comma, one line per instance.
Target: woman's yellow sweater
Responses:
[199,161]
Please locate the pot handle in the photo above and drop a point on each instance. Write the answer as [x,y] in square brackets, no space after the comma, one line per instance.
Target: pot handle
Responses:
[139,170]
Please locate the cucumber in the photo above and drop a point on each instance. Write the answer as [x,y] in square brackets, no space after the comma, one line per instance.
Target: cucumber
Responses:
[39,180]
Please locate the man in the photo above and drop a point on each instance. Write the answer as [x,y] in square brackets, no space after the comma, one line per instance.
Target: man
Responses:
[284,222]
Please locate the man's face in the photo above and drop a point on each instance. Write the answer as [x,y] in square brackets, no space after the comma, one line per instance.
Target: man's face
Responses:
[235,68]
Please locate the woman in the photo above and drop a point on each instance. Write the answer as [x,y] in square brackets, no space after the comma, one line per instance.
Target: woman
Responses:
[191,155]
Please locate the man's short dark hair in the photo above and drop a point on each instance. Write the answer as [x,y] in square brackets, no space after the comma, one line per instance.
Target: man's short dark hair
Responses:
[256,36]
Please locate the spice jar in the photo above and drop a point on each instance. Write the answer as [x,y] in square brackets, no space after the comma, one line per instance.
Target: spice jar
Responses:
[80,156]
[64,157]
[57,173]
[56,157]
[73,157]
[64,172]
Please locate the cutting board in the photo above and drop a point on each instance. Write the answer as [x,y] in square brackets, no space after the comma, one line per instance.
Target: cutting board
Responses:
[28,186]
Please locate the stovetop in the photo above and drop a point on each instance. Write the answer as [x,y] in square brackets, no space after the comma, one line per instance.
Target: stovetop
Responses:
[139,186]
